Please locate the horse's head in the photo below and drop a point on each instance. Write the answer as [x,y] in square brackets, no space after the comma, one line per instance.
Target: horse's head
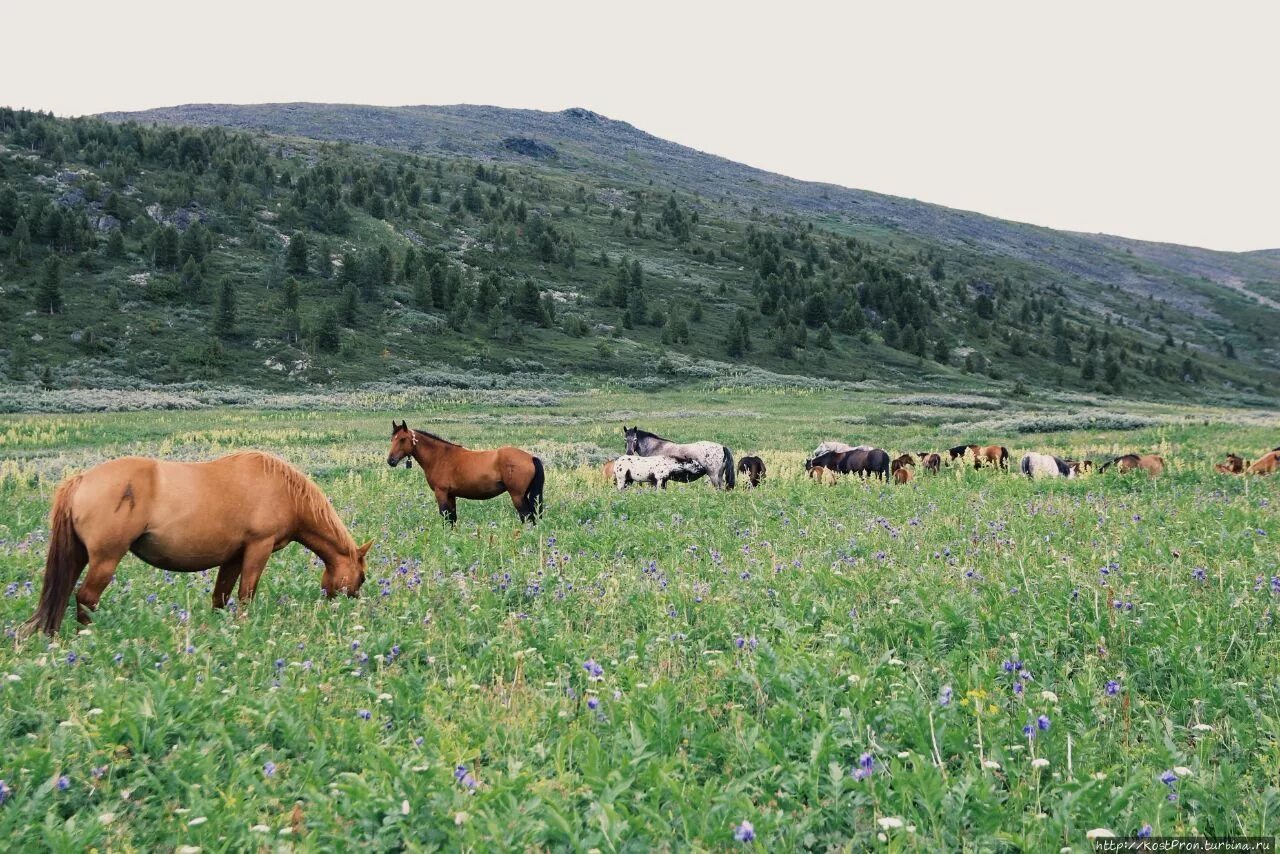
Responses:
[345,574]
[633,438]
[403,441]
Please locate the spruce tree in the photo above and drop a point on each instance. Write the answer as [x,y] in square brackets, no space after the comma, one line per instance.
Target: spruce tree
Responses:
[49,296]
[296,255]
[224,321]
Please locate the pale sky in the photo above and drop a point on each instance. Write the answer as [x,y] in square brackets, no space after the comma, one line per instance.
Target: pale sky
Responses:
[1157,120]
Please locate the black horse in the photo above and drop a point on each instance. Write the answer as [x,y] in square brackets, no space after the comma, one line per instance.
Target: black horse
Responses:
[753,468]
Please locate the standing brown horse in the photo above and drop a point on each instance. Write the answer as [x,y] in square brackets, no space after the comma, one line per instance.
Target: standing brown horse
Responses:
[995,455]
[454,472]
[930,461]
[231,513]
[1266,464]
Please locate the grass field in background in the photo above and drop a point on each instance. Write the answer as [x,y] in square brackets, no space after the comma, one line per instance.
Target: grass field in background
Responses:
[973,660]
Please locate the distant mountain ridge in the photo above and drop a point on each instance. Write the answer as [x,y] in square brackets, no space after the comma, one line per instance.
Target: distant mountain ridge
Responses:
[585,140]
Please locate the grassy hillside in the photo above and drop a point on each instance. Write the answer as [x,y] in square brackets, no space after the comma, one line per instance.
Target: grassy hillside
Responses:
[135,255]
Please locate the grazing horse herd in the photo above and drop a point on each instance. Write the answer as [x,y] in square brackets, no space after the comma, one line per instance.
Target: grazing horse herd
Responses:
[235,512]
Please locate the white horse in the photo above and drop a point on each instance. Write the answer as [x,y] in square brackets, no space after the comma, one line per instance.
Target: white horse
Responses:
[633,468]
[716,460]
[1046,465]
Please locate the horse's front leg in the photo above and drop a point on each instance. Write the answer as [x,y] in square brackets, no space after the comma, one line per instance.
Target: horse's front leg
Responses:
[228,575]
[448,506]
[252,561]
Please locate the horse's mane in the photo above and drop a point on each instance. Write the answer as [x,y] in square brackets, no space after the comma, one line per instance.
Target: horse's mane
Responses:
[436,438]
[307,497]
[645,434]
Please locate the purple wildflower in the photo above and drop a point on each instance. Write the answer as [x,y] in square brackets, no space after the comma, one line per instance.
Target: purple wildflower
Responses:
[4,791]
[64,783]
[1199,574]
[593,703]
[364,714]
[866,767]
[1042,723]
[744,832]
[1113,687]
[595,671]
[944,696]
[464,777]
[269,769]
[1145,831]
[1168,778]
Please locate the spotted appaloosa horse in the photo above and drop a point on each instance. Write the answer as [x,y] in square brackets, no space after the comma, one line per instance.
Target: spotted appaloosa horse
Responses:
[716,460]
[633,468]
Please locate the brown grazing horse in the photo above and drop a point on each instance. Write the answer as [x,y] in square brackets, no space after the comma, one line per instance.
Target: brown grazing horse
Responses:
[1152,464]
[753,468]
[930,461]
[231,513]
[995,455]
[904,460]
[454,472]
[902,474]
[1268,464]
[1233,465]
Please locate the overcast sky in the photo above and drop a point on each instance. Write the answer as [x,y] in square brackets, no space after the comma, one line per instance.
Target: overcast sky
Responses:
[1153,120]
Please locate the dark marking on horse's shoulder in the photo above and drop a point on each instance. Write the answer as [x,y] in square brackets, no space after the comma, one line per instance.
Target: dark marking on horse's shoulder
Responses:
[127,496]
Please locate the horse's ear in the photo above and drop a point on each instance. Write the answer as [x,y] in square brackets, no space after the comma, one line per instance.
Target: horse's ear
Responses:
[364,550]
[395,428]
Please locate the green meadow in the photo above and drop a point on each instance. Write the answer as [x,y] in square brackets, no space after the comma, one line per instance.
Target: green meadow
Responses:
[972,661]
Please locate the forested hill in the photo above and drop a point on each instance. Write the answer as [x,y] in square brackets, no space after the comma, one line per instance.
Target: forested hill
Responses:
[164,253]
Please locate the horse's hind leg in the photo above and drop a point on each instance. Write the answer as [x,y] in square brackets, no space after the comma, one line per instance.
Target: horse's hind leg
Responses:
[523,509]
[102,568]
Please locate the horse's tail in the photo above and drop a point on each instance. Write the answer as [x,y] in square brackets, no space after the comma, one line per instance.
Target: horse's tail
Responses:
[1004,457]
[730,475]
[533,495]
[1026,465]
[1108,464]
[66,559]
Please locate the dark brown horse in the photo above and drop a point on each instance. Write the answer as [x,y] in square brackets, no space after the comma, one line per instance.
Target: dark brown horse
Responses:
[1233,465]
[753,468]
[454,472]
[873,461]
[900,462]
[231,513]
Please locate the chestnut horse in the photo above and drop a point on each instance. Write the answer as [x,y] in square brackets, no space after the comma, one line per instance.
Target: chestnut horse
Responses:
[1152,464]
[454,472]
[1233,465]
[231,513]
[996,455]
[1268,464]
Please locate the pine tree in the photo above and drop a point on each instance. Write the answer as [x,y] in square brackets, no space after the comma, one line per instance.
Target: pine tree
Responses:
[349,312]
[941,352]
[328,333]
[296,255]
[115,244]
[824,337]
[291,294]
[224,321]
[164,248]
[1089,370]
[49,296]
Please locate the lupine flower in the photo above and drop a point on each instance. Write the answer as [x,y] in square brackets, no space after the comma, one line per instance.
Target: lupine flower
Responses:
[593,703]
[4,791]
[595,671]
[944,696]
[866,767]
[1042,723]
[71,658]
[99,772]
[1144,832]
[744,832]
[1113,687]
[1029,731]
[269,769]
[1199,574]
[463,776]
[364,714]
[64,783]
[1168,778]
